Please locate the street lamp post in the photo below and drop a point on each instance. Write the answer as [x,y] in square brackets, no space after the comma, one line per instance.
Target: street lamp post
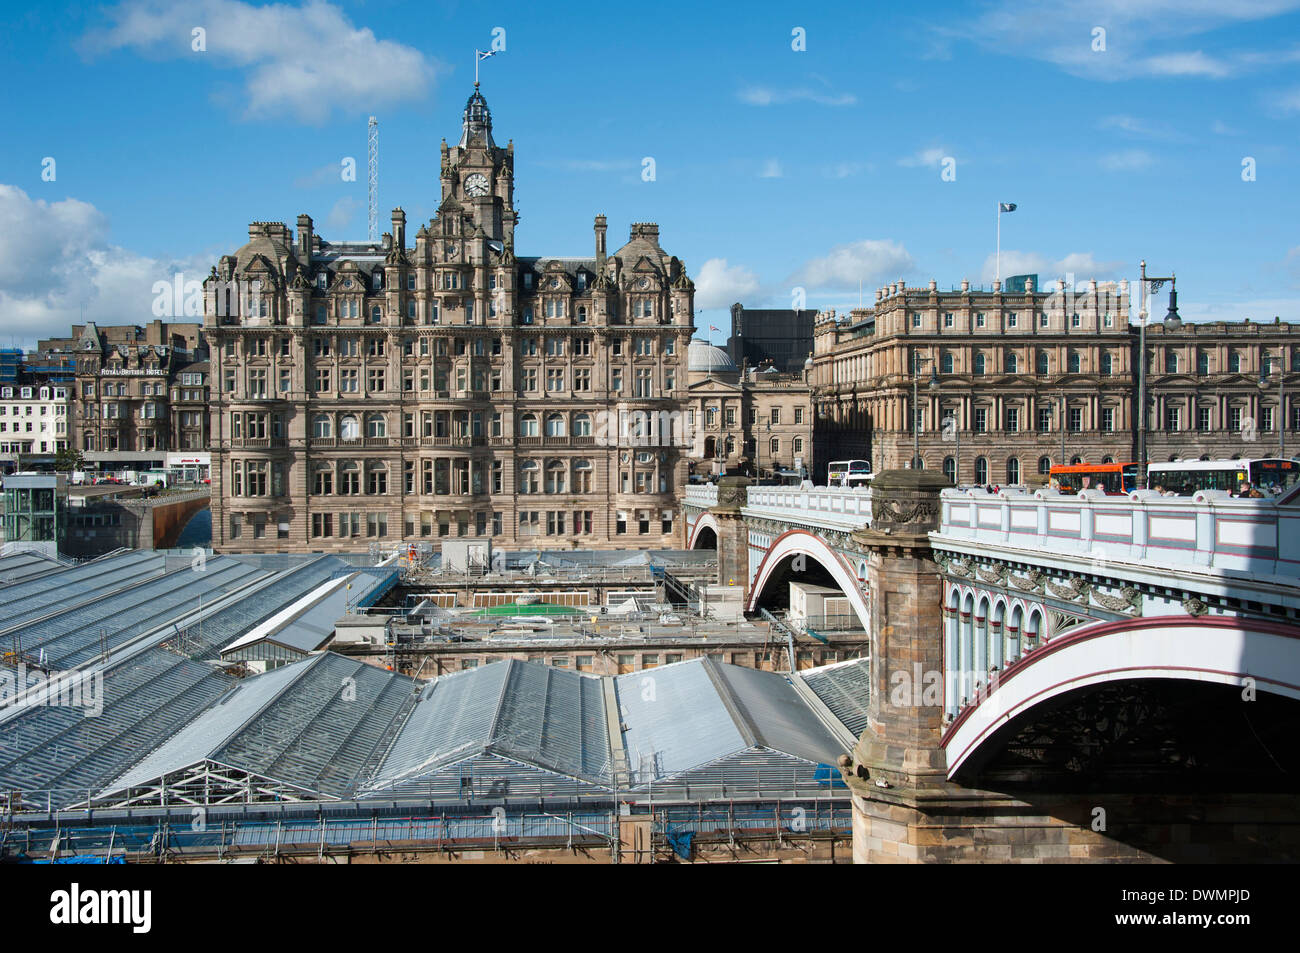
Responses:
[1142,368]
[956,431]
[1065,410]
[1281,402]
[918,361]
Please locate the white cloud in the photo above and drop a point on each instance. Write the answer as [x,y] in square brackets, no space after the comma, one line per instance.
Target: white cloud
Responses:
[929,158]
[771,170]
[719,286]
[767,96]
[1288,101]
[1127,161]
[845,266]
[1080,264]
[303,61]
[341,215]
[1143,38]
[847,169]
[1137,128]
[1186,64]
[1221,128]
[55,258]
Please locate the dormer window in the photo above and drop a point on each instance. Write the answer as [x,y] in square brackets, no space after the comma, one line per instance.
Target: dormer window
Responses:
[582,281]
[528,281]
[377,280]
[321,280]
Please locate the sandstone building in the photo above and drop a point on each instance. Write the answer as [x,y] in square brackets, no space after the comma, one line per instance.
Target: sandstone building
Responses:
[372,393]
[1035,378]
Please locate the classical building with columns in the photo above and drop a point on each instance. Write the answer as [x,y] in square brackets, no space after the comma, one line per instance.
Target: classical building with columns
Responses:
[445,387]
[1008,384]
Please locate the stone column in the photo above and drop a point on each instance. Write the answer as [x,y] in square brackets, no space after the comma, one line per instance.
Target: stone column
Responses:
[733,537]
[898,761]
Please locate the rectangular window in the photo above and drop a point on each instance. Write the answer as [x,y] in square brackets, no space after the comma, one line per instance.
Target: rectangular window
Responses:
[1171,418]
[981,420]
[1234,419]
[1044,419]
[349,381]
[1108,419]
[1076,419]
[1013,419]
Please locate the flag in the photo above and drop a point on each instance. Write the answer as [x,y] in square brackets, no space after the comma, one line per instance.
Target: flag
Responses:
[713,328]
[1006,206]
[483,56]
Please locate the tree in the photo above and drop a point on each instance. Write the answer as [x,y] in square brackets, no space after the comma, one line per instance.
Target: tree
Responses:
[68,459]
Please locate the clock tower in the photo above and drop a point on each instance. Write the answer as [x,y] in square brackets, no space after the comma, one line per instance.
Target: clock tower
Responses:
[480,175]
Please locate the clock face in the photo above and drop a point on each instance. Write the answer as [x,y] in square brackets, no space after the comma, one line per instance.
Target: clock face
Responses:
[476,184]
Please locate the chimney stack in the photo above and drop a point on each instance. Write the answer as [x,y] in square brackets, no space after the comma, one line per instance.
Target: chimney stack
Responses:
[600,227]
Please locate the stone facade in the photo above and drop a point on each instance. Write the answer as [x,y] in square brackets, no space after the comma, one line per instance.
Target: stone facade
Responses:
[127,379]
[757,421]
[375,392]
[1010,367]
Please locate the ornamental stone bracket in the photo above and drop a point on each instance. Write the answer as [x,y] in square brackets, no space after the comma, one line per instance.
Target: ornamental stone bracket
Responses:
[1129,600]
[1194,607]
[1074,590]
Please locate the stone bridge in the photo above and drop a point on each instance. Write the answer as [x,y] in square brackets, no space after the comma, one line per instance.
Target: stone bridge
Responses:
[1040,662]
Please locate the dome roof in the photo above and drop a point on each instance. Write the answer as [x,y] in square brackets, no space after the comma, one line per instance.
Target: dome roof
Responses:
[703,356]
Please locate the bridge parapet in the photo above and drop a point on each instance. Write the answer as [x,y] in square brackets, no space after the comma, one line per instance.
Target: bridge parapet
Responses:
[703,496]
[834,507]
[1211,531]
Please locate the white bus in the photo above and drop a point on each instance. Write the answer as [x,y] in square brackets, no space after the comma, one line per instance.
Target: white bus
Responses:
[848,473]
[1269,475]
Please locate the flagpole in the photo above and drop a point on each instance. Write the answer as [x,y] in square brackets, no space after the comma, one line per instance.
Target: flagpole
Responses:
[997,268]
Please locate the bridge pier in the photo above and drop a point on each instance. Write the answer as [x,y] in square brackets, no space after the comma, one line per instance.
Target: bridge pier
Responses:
[733,535]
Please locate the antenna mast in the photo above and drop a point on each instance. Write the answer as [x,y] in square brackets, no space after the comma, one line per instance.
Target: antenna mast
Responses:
[374,179]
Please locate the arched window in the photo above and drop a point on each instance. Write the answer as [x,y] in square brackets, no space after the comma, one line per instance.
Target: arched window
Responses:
[1013,471]
[1044,465]
[555,425]
[731,447]
[349,478]
[529,479]
[349,428]
[1013,363]
[1106,362]
[710,448]
[1108,459]
[775,446]
[582,479]
[582,314]
[556,477]
[581,425]
[945,363]
[981,470]
[950,469]
[376,425]
[1075,461]
[1073,362]
[321,426]
[528,425]
[1041,363]
[979,364]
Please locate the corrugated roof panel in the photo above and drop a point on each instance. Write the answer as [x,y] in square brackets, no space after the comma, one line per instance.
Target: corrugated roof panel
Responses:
[451,721]
[675,719]
[845,689]
[777,715]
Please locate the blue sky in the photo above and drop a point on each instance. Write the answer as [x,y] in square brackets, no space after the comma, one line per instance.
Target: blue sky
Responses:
[775,168]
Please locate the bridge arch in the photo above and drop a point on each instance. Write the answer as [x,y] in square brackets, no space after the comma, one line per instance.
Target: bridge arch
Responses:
[799,542]
[1224,650]
[704,531]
